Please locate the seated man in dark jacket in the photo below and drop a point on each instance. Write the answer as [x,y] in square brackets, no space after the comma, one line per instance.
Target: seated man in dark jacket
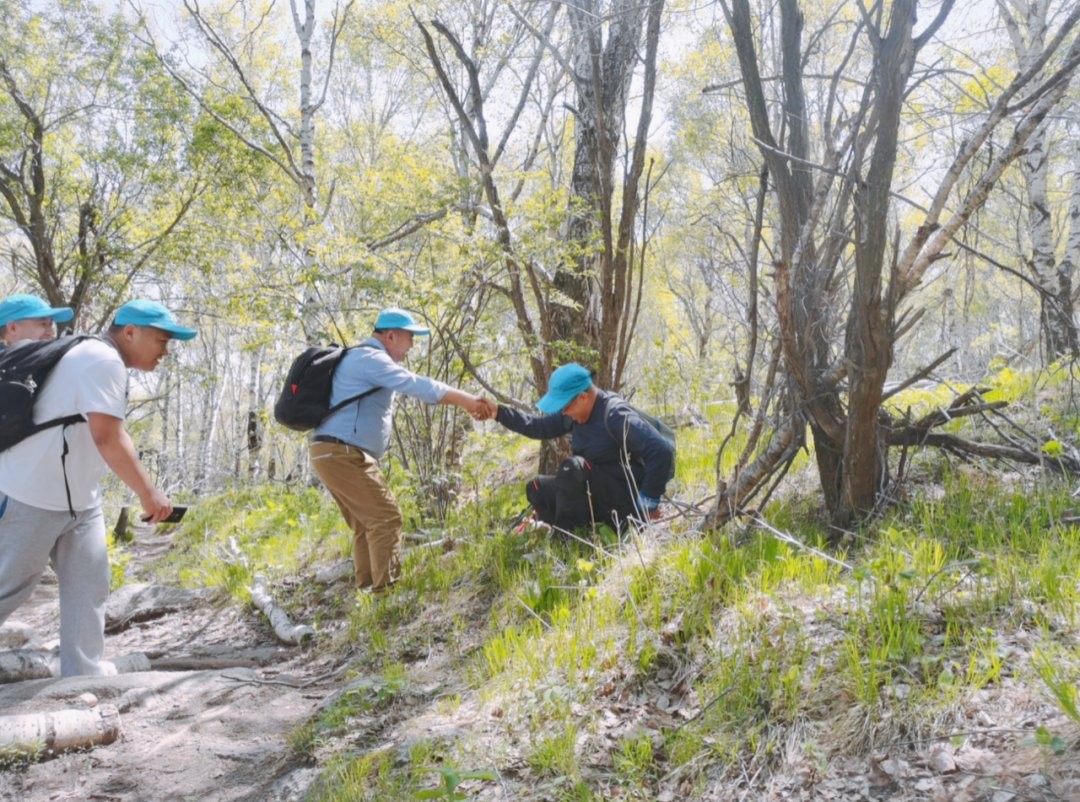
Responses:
[621,464]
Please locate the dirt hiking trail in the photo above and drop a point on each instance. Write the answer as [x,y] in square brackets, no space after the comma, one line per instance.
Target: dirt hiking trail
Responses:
[212,727]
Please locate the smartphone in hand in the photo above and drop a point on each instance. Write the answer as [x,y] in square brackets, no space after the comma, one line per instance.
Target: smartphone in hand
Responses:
[173,517]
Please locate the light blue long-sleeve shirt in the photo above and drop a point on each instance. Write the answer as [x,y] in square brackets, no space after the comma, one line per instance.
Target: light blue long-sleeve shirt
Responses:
[367,423]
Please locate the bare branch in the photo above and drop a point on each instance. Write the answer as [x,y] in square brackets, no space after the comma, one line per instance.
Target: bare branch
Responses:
[337,25]
[288,164]
[919,375]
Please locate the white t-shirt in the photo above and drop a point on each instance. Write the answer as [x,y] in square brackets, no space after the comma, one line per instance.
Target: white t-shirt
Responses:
[91,377]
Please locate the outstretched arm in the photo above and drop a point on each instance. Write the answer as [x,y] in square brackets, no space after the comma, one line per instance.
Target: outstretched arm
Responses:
[538,427]
[474,405]
[116,448]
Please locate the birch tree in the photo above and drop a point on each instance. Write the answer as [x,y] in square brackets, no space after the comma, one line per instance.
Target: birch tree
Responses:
[1070,262]
[1027,24]
[243,65]
[237,80]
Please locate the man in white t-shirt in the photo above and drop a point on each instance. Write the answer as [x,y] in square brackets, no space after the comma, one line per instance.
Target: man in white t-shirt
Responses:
[51,500]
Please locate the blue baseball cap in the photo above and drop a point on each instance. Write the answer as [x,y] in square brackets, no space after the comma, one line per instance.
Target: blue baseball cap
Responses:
[153,314]
[394,318]
[28,307]
[564,384]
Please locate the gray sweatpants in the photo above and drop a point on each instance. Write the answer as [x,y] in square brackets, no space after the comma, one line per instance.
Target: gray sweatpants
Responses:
[30,538]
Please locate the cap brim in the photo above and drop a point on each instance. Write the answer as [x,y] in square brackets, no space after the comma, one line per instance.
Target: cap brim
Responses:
[178,332]
[417,330]
[554,402]
[61,314]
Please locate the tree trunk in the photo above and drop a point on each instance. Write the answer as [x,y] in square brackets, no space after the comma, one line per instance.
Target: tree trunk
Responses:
[210,420]
[254,426]
[1027,29]
[163,467]
[869,346]
[123,532]
[1071,260]
[599,281]
[23,664]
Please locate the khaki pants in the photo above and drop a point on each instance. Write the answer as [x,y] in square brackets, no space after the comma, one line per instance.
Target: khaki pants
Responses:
[354,480]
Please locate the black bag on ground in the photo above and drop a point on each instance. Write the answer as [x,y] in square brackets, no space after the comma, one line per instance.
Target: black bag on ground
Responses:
[304,401]
[24,368]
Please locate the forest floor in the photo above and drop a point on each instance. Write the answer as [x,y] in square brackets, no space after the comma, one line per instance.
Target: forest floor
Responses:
[216,730]
[220,728]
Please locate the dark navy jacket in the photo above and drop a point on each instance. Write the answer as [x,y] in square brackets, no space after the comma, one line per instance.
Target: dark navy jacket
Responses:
[600,439]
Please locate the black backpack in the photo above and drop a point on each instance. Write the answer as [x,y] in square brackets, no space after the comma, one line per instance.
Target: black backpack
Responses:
[304,401]
[662,429]
[24,369]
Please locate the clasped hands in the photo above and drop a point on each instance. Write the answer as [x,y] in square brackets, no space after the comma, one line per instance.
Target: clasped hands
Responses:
[482,408]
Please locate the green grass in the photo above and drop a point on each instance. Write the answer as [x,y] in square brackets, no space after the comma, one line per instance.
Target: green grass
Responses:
[554,756]
[276,531]
[362,697]
[723,653]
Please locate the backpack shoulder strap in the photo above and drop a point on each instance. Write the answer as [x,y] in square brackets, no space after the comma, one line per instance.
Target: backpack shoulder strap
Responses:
[66,420]
[614,402]
[355,398]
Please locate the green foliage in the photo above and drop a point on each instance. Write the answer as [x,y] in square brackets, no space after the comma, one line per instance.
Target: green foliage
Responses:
[450,778]
[696,470]
[119,560]
[362,696]
[1060,673]
[780,639]
[115,180]
[14,757]
[376,776]
[370,776]
[556,755]
[634,760]
[1049,741]
[225,541]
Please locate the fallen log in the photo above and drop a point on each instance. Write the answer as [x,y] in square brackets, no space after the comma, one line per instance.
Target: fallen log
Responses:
[203,663]
[333,573]
[143,602]
[284,629]
[35,735]
[24,664]
[132,663]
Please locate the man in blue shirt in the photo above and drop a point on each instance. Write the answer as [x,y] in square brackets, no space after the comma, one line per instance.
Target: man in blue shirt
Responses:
[27,317]
[621,464]
[347,446]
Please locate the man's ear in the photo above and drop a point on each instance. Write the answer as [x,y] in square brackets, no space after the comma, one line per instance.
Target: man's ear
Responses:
[127,333]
